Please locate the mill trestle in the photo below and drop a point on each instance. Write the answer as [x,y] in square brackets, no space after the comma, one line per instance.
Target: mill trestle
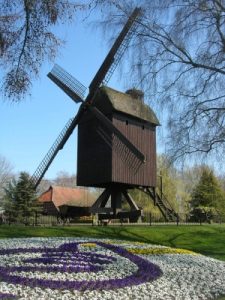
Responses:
[109,204]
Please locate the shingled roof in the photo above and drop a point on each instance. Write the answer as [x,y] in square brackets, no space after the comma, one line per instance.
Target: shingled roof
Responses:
[67,196]
[109,100]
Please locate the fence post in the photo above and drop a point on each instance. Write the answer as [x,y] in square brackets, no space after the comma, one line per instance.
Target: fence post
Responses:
[150,219]
[35,222]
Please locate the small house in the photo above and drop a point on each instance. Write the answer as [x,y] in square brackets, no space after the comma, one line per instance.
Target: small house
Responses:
[69,202]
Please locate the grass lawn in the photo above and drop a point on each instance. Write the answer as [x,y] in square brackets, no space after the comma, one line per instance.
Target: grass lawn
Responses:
[206,239]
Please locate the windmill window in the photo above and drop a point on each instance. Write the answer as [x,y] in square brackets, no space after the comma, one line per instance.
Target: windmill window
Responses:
[126,122]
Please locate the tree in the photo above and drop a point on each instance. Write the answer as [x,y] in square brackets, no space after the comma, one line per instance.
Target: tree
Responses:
[9,201]
[143,202]
[207,195]
[185,180]
[20,199]
[167,180]
[65,179]
[179,60]
[27,39]
[5,174]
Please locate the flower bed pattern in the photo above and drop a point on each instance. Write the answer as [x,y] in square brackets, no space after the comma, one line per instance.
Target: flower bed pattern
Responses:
[69,268]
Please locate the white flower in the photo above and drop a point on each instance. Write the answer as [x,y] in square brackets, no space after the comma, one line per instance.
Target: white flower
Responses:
[185,276]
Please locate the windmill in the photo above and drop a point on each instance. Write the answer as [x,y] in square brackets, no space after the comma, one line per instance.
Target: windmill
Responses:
[106,136]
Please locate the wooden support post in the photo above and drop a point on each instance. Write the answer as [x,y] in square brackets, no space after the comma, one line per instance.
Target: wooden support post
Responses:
[130,200]
[116,200]
[101,201]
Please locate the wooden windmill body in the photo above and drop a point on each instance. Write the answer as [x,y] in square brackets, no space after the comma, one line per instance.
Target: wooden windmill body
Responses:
[103,161]
[100,161]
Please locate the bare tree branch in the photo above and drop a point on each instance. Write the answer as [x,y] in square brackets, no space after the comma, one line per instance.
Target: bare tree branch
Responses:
[179,60]
[27,39]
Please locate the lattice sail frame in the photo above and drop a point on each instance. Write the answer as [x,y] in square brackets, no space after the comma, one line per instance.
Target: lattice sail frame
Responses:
[70,85]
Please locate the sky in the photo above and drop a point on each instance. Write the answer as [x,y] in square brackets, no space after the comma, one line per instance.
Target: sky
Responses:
[28,129]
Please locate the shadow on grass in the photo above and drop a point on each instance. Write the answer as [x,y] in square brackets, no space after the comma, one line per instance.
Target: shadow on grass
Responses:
[207,240]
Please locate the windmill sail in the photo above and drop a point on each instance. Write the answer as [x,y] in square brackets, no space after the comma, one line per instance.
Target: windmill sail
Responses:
[53,151]
[71,86]
[121,139]
[112,59]
[121,149]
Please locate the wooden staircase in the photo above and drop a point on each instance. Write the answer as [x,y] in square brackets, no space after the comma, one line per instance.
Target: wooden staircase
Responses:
[162,203]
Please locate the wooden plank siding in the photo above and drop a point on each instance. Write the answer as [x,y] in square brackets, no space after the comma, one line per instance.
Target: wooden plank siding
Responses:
[50,209]
[94,156]
[99,163]
[142,136]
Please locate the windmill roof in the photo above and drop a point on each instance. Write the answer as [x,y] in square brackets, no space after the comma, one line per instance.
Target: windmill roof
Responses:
[108,100]
[67,196]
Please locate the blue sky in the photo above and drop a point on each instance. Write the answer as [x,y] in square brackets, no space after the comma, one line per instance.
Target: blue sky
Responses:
[28,129]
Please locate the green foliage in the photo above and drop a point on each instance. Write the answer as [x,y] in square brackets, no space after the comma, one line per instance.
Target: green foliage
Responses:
[206,201]
[167,180]
[187,179]
[144,202]
[20,202]
[182,195]
[207,196]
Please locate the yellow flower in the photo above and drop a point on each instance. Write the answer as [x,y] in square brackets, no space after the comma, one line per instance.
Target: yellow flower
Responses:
[88,245]
[160,251]
[124,242]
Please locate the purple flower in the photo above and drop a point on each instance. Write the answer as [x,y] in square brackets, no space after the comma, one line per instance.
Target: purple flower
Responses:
[68,258]
[7,296]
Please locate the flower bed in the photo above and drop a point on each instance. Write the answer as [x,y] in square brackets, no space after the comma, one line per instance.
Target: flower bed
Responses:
[69,268]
